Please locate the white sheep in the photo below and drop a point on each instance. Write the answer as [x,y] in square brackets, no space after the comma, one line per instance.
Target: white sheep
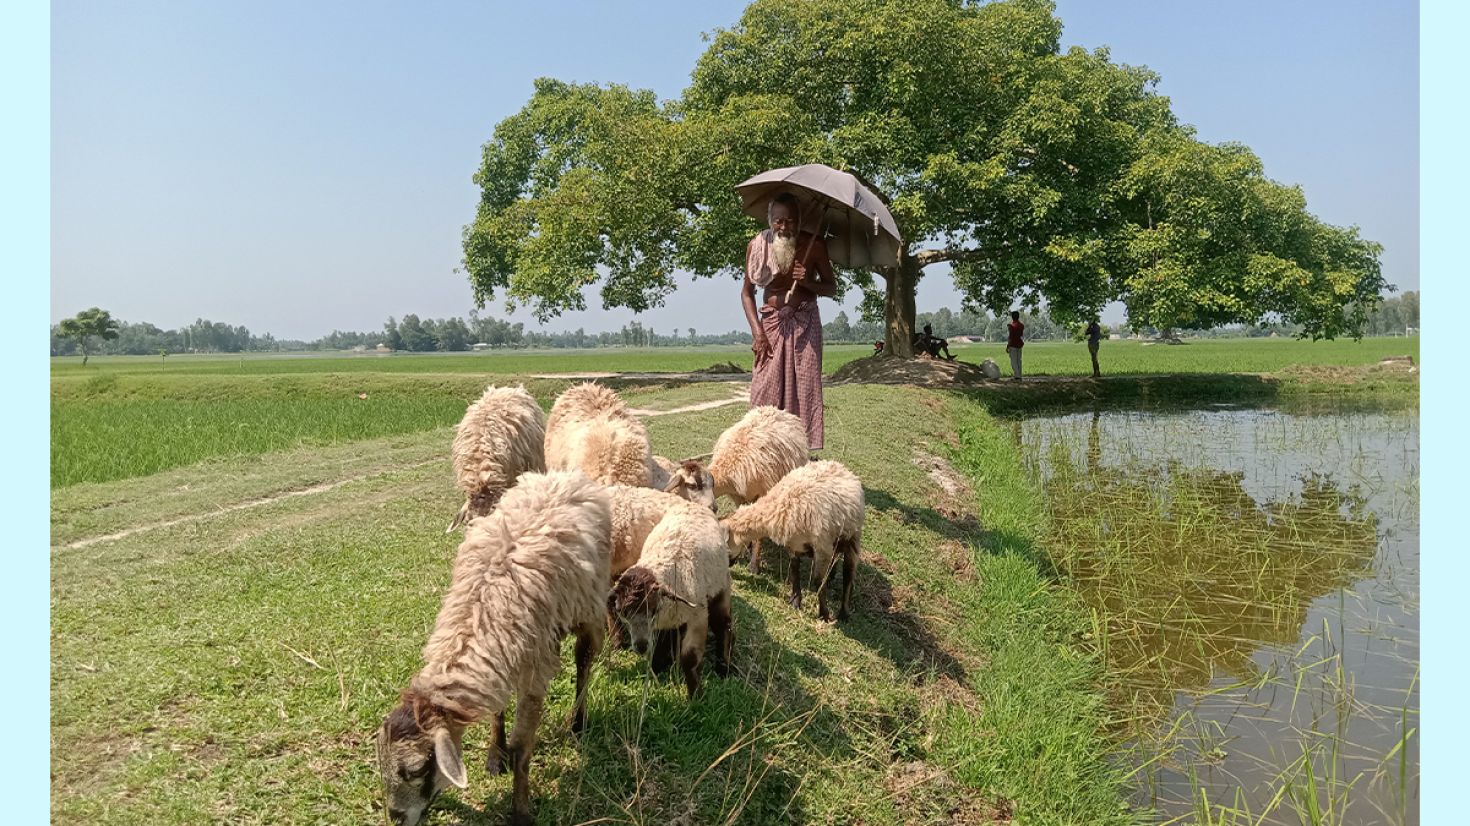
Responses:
[749,457]
[501,436]
[590,429]
[682,579]
[990,369]
[525,576]
[817,510]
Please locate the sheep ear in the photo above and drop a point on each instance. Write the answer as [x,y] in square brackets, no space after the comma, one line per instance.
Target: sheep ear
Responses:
[676,481]
[450,758]
[675,597]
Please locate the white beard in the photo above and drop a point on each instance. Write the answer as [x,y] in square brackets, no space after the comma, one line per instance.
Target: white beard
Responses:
[783,253]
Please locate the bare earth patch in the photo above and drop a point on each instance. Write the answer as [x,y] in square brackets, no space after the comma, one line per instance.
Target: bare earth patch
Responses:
[925,793]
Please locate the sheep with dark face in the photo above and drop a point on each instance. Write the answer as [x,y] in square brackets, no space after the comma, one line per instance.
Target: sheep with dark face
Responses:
[500,437]
[527,575]
[682,579]
[817,510]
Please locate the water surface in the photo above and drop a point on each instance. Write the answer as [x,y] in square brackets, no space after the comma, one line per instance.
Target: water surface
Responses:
[1254,578]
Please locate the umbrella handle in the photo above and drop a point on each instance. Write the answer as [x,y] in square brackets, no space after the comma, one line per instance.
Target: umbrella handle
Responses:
[808,252]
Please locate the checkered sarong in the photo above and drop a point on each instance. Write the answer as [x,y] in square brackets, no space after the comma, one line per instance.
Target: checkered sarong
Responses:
[791,377]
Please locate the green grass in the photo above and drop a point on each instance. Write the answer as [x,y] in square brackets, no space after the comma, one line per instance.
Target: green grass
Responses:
[232,666]
[1041,358]
[132,416]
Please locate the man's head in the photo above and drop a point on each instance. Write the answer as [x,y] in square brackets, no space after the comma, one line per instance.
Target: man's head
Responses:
[1015,315]
[784,215]
[928,329]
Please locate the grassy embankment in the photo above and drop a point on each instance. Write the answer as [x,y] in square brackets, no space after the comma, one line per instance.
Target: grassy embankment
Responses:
[231,666]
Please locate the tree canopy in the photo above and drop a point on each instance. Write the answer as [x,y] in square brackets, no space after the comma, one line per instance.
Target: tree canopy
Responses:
[88,324]
[1041,176]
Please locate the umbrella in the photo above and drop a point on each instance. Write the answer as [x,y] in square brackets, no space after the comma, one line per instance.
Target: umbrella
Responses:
[859,229]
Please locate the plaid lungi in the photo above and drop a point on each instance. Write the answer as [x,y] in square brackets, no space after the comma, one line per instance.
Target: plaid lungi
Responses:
[791,377]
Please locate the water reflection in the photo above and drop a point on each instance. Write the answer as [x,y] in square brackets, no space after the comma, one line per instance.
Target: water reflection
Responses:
[1253,575]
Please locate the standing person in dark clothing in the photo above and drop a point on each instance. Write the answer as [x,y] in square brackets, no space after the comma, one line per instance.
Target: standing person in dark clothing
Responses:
[1014,343]
[1094,335]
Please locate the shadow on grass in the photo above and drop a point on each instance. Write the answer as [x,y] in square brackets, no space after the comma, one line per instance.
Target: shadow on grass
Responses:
[1062,394]
[898,635]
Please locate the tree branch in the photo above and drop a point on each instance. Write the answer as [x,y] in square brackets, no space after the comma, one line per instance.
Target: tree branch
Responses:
[927,257]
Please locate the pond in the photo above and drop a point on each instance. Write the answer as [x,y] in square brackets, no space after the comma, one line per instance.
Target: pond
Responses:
[1253,575]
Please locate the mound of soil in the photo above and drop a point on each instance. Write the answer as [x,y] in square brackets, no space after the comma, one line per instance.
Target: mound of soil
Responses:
[722,368]
[921,371]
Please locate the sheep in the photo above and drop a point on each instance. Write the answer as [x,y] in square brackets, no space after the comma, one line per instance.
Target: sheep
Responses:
[525,576]
[591,429]
[500,437]
[816,510]
[749,457]
[990,369]
[635,512]
[661,472]
[681,579]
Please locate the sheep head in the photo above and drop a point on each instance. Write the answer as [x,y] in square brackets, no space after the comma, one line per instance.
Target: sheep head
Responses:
[637,598]
[693,483]
[738,538]
[419,756]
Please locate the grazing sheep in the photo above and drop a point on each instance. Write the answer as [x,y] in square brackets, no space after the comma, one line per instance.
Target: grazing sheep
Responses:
[817,511]
[525,576]
[661,472]
[682,580]
[501,436]
[990,369]
[590,429]
[749,457]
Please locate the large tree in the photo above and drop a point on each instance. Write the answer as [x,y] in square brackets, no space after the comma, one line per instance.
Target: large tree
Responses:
[86,325]
[1039,176]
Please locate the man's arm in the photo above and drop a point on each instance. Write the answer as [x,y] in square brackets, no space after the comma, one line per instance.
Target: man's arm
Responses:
[821,265]
[758,343]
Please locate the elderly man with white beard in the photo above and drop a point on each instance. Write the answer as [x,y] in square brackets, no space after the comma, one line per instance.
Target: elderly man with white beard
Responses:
[793,269]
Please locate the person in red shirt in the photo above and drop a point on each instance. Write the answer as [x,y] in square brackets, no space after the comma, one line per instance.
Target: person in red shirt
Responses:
[1014,343]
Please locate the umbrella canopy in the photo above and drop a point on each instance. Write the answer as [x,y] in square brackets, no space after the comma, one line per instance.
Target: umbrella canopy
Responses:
[859,230]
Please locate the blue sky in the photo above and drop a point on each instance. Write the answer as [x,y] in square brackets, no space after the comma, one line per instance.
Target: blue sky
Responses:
[302,167]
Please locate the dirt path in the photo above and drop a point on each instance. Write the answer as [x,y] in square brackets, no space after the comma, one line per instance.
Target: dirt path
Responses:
[692,408]
[222,510]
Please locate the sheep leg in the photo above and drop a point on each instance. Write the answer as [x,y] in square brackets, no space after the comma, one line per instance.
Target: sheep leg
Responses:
[795,600]
[589,642]
[849,573]
[665,649]
[755,557]
[719,623]
[495,760]
[522,742]
[691,654]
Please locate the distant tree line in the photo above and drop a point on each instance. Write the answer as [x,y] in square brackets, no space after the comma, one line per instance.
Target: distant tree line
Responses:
[413,334]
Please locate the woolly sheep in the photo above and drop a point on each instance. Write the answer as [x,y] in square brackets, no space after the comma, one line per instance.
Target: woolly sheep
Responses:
[681,579]
[500,437]
[990,369]
[749,457]
[817,510]
[524,577]
[590,429]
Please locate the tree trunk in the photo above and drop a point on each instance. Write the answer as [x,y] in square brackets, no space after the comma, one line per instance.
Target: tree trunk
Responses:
[898,307]
[84,353]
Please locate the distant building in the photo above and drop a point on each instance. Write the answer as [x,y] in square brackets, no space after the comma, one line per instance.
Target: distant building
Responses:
[383,348]
[479,345]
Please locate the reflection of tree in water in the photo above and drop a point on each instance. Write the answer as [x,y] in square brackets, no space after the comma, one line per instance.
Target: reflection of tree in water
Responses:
[1190,574]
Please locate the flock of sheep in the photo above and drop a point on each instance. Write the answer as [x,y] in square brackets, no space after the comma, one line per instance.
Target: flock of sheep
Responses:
[574,527]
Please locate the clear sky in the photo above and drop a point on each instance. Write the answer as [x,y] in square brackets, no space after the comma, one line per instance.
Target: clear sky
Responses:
[300,167]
